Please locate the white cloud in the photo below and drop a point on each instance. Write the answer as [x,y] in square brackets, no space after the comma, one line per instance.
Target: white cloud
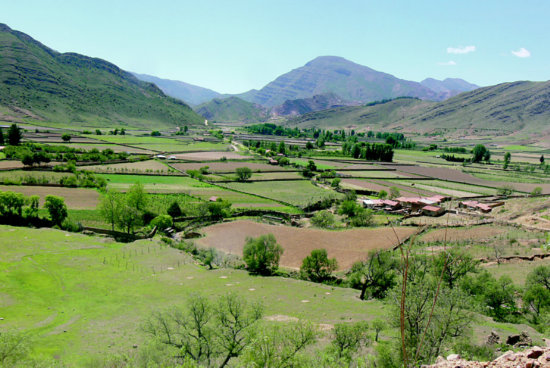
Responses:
[460,49]
[522,53]
[448,63]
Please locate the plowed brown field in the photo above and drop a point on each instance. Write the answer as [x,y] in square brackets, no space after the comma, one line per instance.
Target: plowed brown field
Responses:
[347,246]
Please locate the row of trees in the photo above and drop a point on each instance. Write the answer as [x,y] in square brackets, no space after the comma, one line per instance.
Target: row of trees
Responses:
[368,151]
[14,136]
[16,208]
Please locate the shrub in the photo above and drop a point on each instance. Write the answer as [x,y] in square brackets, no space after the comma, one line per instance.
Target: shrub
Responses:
[317,266]
[323,219]
[243,173]
[56,208]
[262,254]
[162,222]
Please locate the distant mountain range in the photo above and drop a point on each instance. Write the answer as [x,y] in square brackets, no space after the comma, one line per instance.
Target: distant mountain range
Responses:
[38,83]
[232,109]
[189,93]
[325,82]
[504,108]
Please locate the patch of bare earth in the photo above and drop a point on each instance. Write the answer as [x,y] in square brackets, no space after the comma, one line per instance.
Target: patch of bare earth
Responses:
[454,235]
[75,198]
[347,246]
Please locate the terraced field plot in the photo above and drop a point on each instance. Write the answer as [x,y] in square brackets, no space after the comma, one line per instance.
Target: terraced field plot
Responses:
[463,233]
[386,174]
[378,185]
[115,147]
[296,193]
[186,185]
[225,167]
[76,198]
[211,155]
[347,246]
[132,167]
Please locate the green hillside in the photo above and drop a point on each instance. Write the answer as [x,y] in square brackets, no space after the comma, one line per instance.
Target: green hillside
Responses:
[376,115]
[232,109]
[505,108]
[38,83]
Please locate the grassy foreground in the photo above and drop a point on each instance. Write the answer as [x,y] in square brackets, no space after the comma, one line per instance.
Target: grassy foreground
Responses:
[81,296]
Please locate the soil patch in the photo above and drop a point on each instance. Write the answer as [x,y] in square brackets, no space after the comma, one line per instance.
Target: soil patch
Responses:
[347,246]
[75,198]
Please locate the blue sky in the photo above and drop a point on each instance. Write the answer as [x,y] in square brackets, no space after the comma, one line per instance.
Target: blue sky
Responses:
[235,45]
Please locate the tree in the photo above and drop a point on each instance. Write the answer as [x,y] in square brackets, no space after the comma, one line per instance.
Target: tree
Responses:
[453,265]
[262,254]
[162,222]
[375,276]
[56,208]
[155,133]
[348,338]
[382,194]
[363,217]
[243,173]
[11,203]
[311,165]
[278,345]
[335,182]
[478,153]
[1,137]
[507,159]
[349,208]
[13,348]
[281,148]
[394,192]
[505,191]
[309,145]
[14,135]
[66,137]
[378,325]
[536,297]
[210,334]
[137,197]
[317,267]
[323,219]
[33,205]
[541,159]
[175,210]
[487,156]
[28,159]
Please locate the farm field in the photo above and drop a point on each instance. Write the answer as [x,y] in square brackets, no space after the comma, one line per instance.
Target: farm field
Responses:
[76,198]
[378,185]
[77,295]
[211,155]
[463,233]
[297,193]
[10,164]
[347,246]
[225,166]
[189,186]
[100,146]
[149,166]
[386,174]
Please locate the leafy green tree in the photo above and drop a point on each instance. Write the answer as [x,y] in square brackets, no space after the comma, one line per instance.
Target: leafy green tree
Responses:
[375,276]
[243,173]
[66,137]
[487,156]
[282,147]
[382,194]
[129,217]
[348,208]
[309,145]
[15,134]
[2,139]
[335,182]
[33,205]
[323,219]
[162,222]
[219,209]
[317,267]
[56,208]
[28,159]
[137,197]
[311,165]
[363,217]
[541,159]
[175,210]
[507,159]
[11,203]
[378,325]
[262,254]
[478,153]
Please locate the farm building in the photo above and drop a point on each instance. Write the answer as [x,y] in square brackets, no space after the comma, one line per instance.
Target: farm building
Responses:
[273,162]
[475,205]
[385,204]
[412,203]
[433,211]
[213,199]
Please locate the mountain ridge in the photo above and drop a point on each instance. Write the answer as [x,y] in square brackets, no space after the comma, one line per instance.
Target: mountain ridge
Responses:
[40,83]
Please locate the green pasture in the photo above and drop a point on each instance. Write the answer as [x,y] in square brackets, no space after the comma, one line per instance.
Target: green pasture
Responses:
[297,193]
[79,296]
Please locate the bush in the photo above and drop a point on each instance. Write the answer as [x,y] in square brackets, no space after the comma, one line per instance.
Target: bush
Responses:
[262,254]
[175,210]
[323,219]
[317,267]
[243,173]
[56,208]
[162,222]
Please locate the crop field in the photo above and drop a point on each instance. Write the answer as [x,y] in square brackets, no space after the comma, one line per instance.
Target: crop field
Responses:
[17,176]
[463,233]
[186,185]
[296,193]
[10,164]
[378,185]
[81,296]
[149,166]
[385,174]
[347,246]
[76,198]
[225,166]
[100,147]
[212,155]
